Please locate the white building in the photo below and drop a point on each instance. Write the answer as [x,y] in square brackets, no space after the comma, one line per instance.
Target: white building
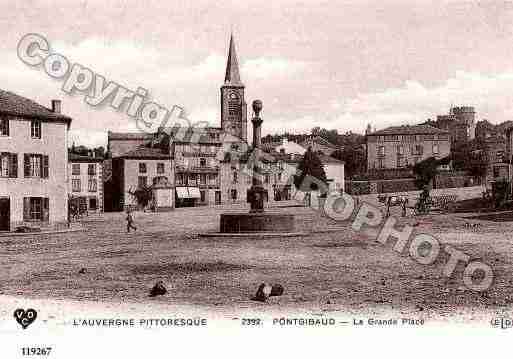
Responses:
[86,182]
[33,163]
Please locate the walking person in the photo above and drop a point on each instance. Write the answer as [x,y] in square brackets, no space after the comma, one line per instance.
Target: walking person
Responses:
[130,221]
[404,205]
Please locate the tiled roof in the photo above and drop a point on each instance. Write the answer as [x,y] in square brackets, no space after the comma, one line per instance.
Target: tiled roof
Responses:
[409,130]
[15,105]
[319,140]
[146,153]
[73,157]
[204,135]
[129,136]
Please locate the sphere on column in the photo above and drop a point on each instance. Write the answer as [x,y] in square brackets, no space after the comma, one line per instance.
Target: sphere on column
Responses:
[257,107]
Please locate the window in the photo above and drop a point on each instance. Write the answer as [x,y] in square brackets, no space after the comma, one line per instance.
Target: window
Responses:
[92,185]
[35,209]
[496,171]
[142,167]
[4,127]
[76,185]
[35,129]
[213,179]
[381,150]
[192,179]
[75,169]
[235,177]
[203,162]
[4,165]
[93,203]
[142,181]
[233,105]
[266,178]
[203,178]
[8,165]
[160,168]
[180,179]
[91,169]
[202,196]
[435,148]
[400,150]
[381,163]
[417,150]
[233,194]
[35,165]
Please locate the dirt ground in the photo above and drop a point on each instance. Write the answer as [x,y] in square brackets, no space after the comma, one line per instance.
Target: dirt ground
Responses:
[341,271]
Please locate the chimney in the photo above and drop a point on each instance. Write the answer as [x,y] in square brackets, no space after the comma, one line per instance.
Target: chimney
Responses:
[56,106]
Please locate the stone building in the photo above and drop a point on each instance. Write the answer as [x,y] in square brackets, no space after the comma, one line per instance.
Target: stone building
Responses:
[460,122]
[319,145]
[143,168]
[404,146]
[33,163]
[192,157]
[203,166]
[85,184]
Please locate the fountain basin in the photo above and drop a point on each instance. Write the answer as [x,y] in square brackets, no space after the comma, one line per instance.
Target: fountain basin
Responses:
[256,222]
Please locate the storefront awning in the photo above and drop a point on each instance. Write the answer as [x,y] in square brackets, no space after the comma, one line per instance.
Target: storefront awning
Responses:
[182,192]
[194,192]
[188,192]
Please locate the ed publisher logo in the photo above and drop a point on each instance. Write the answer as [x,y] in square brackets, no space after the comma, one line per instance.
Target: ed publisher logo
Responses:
[25,317]
[502,323]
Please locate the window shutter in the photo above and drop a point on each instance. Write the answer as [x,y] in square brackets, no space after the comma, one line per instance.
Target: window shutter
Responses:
[26,208]
[13,165]
[26,166]
[44,172]
[46,210]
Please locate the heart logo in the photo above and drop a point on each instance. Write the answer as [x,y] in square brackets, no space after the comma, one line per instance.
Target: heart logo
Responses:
[25,317]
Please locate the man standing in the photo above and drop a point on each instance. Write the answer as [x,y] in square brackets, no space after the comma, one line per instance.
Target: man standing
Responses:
[130,221]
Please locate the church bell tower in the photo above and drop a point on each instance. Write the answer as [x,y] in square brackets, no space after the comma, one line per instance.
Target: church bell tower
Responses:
[233,104]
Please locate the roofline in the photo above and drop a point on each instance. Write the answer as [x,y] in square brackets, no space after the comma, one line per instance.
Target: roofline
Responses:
[57,118]
[377,133]
[85,160]
[164,157]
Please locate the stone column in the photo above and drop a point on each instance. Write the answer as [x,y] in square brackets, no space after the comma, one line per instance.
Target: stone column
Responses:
[256,194]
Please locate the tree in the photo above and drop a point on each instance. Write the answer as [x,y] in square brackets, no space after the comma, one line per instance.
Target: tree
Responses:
[353,157]
[471,157]
[143,195]
[425,171]
[311,175]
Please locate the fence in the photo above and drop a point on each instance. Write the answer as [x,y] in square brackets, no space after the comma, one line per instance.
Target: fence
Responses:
[446,180]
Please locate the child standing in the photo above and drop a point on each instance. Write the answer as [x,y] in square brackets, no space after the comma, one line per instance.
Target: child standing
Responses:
[130,221]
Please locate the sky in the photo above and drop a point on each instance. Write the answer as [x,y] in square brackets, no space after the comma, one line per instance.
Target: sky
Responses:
[338,65]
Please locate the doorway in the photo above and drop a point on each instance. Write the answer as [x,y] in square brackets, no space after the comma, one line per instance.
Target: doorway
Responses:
[5,214]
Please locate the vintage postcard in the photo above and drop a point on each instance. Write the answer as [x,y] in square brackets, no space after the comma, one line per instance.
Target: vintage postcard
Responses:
[255,178]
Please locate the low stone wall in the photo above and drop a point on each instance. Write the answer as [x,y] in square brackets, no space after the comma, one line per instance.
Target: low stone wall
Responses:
[447,181]
[406,184]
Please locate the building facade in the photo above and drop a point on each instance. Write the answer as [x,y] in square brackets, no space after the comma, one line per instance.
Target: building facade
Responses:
[85,184]
[193,157]
[460,122]
[143,171]
[33,163]
[404,146]
[201,170]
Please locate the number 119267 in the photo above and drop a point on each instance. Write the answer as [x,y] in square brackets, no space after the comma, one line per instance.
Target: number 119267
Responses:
[26,351]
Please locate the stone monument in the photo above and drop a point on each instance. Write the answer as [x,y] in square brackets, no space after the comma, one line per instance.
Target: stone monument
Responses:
[257,220]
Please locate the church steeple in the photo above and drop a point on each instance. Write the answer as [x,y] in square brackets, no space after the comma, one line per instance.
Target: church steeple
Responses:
[232,76]
[233,104]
